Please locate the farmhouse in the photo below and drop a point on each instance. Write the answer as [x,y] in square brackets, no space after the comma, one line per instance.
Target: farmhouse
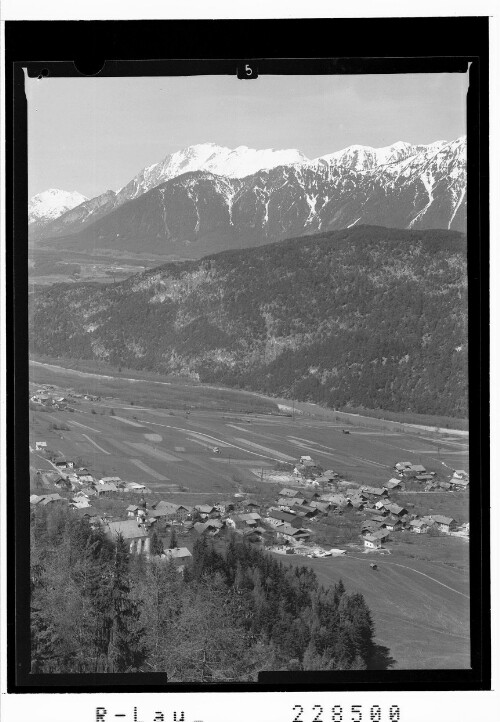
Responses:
[460,483]
[372,542]
[132,533]
[173,511]
[392,484]
[106,489]
[418,468]
[289,533]
[393,524]
[419,526]
[396,510]
[460,474]
[374,492]
[40,445]
[424,477]
[289,493]
[401,465]
[180,556]
[444,523]
[53,499]
[279,517]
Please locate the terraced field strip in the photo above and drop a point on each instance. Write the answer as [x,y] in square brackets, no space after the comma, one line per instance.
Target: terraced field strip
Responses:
[339,458]
[149,470]
[75,423]
[205,438]
[96,445]
[277,454]
[239,428]
[150,451]
[118,445]
[127,421]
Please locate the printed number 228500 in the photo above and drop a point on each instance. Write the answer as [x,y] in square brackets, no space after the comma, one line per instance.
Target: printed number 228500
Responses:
[356,713]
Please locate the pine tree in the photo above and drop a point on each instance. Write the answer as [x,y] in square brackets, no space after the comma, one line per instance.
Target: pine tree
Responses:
[173,539]
[156,544]
[126,651]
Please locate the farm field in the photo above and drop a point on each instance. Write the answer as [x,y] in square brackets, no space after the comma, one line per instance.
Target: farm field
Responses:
[155,446]
[420,608]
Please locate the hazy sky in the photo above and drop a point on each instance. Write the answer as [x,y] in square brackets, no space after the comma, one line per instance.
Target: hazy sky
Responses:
[92,134]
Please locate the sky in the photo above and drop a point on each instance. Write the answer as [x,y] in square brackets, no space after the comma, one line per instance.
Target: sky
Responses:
[94,134]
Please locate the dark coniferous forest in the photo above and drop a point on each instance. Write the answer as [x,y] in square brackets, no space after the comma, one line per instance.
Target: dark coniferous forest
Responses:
[366,317]
[234,612]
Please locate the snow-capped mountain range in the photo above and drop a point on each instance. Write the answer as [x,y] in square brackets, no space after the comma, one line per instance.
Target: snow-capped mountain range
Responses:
[248,196]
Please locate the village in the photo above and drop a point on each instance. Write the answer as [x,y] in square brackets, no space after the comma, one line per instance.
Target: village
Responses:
[296,521]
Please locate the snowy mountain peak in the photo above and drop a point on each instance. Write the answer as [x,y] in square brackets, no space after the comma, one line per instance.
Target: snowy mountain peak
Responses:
[52,203]
[220,160]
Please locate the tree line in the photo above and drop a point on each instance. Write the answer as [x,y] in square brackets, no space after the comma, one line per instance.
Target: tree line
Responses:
[234,612]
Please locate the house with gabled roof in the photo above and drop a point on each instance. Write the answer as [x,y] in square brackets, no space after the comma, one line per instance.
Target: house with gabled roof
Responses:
[289,492]
[396,510]
[444,523]
[392,484]
[290,533]
[419,526]
[372,542]
[279,517]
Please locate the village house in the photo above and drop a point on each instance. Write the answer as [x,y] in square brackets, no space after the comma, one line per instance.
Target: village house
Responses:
[419,526]
[323,507]
[460,474]
[392,484]
[173,511]
[109,480]
[180,556]
[424,477]
[40,445]
[206,510]
[52,499]
[211,527]
[401,465]
[397,511]
[35,499]
[279,517]
[303,459]
[105,489]
[460,483]
[379,519]
[80,503]
[289,493]
[444,523]
[247,506]
[291,534]
[372,542]
[382,534]
[133,510]
[132,533]
[393,524]
[373,492]
[418,468]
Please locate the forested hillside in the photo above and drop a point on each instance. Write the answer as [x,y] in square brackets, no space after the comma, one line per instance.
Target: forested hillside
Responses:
[363,317]
[96,608]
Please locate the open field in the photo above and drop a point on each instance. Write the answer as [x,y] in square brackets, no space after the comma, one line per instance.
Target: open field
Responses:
[420,608]
[419,596]
[114,437]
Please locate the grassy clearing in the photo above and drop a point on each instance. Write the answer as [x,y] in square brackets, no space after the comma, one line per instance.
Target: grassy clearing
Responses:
[178,395]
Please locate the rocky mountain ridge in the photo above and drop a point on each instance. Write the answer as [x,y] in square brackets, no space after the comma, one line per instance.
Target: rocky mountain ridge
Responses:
[200,211]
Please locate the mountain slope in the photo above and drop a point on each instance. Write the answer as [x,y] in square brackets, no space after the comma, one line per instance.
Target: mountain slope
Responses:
[367,316]
[237,163]
[199,212]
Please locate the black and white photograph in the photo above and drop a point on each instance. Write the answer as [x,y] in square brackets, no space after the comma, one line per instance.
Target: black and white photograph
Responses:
[249,350]
[248,374]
